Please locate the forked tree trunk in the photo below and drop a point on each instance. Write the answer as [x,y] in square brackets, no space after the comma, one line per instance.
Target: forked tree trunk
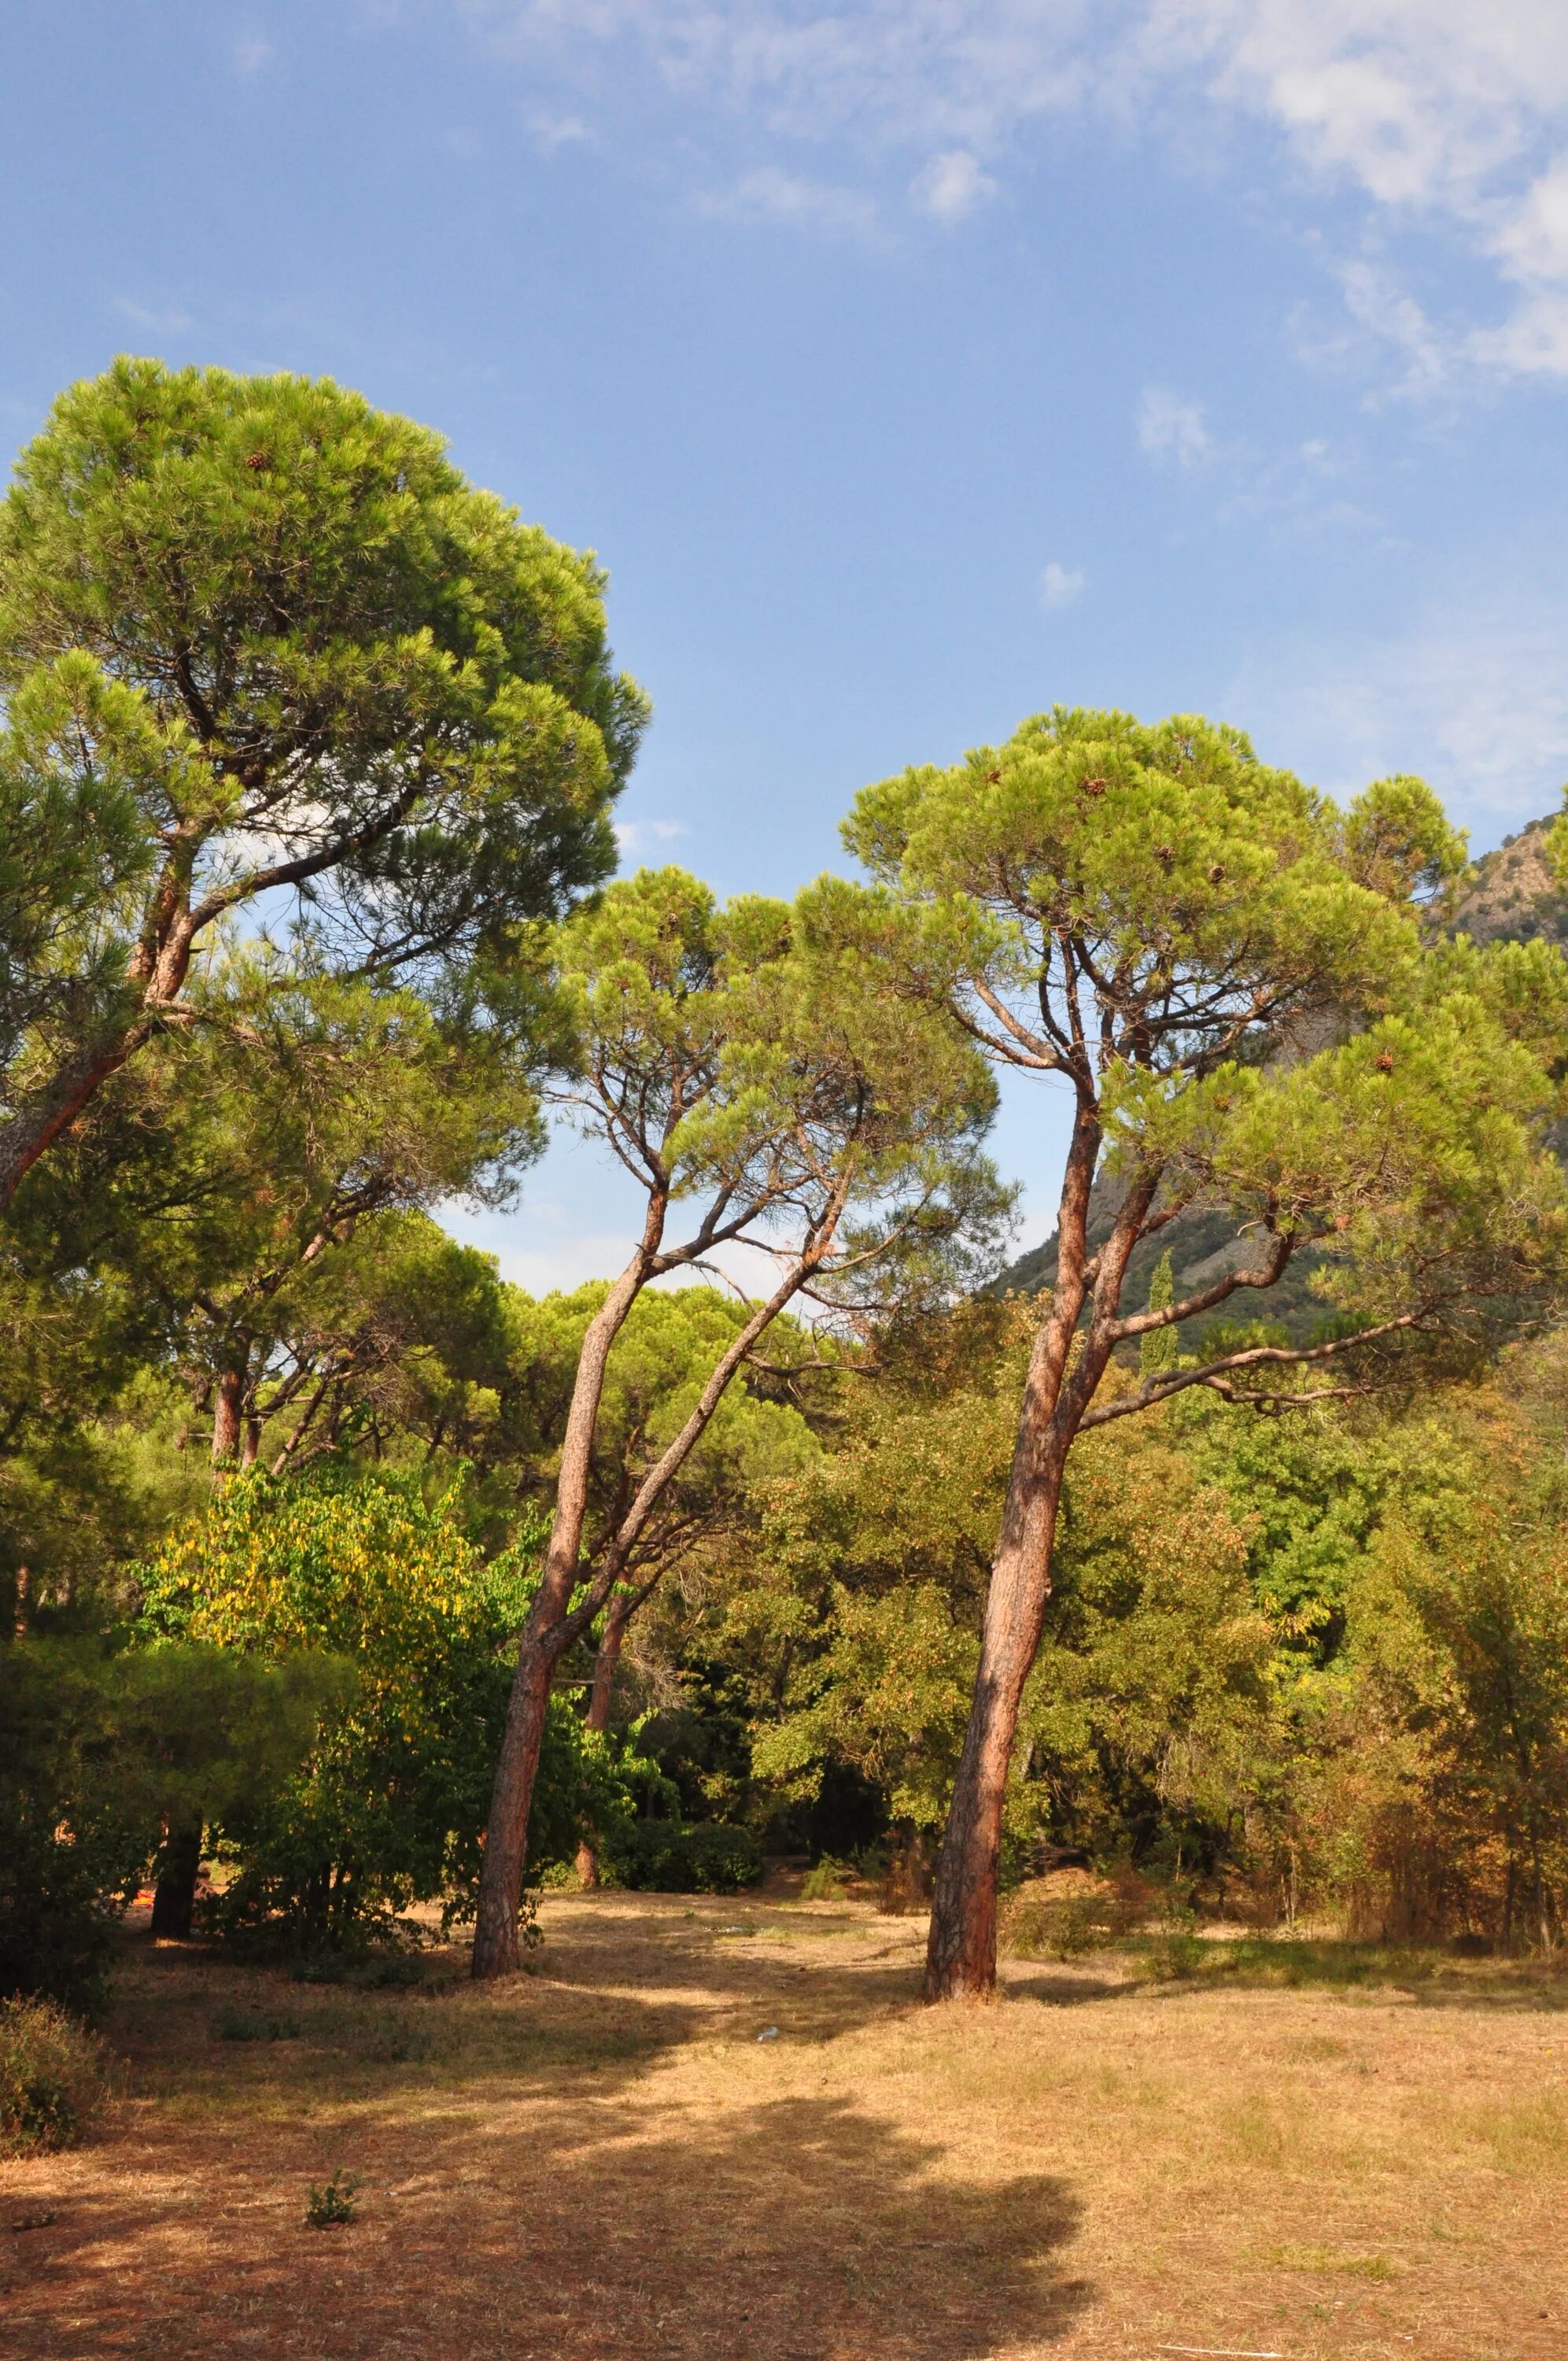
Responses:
[174,1896]
[606,1660]
[545,1637]
[553,1623]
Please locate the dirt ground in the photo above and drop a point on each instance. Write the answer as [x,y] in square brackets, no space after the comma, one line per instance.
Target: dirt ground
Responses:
[709,2128]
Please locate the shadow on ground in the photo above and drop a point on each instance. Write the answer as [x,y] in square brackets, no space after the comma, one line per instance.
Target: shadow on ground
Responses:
[525,2195]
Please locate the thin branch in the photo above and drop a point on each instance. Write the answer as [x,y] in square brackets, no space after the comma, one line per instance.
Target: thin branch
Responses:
[1258,1355]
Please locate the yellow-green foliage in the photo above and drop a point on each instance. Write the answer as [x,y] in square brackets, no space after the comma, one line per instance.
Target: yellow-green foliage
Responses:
[388,1809]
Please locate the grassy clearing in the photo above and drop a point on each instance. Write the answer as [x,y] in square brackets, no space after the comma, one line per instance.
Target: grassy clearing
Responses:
[605,2162]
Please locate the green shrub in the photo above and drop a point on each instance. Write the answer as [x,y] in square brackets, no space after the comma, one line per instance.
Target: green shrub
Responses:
[664,1857]
[99,1750]
[335,2202]
[388,1808]
[826,1881]
[53,2076]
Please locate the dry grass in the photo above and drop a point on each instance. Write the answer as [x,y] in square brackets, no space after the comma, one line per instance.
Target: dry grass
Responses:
[602,2162]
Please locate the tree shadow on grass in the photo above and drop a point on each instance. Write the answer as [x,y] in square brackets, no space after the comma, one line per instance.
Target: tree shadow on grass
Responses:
[801,2228]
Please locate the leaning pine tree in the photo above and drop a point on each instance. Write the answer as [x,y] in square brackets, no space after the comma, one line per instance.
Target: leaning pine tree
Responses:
[1233,982]
[756,1073]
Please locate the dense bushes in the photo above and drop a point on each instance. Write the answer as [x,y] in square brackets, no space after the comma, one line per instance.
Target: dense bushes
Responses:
[388,1807]
[101,1748]
[667,1857]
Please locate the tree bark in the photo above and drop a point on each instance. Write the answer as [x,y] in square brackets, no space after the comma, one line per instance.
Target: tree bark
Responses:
[36,1125]
[961,1956]
[506,1833]
[227,1409]
[174,1897]
[506,1837]
[607,1659]
[553,1623]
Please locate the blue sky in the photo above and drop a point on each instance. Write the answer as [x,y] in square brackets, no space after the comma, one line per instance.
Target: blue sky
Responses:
[912,364]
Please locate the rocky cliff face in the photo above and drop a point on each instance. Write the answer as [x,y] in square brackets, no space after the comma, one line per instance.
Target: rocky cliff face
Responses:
[1514,897]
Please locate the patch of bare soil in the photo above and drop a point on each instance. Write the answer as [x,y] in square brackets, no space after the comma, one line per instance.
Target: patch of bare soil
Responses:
[712,2128]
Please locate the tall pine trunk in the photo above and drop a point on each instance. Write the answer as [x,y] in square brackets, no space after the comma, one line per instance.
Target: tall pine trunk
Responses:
[960,1953]
[544,1635]
[506,1838]
[606,1660]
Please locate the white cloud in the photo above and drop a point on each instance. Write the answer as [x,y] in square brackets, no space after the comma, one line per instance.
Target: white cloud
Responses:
[772,195]
[553,131]
[951,185]
[1472,696]
[1169,428]
[1445,111]
[1060,586]
[634,835]
[252,53]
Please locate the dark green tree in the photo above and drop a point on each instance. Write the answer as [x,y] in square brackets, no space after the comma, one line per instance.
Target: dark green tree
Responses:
[269,660]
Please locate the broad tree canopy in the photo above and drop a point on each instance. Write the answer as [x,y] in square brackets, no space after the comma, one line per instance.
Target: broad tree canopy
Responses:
[1228,976]
[265,650]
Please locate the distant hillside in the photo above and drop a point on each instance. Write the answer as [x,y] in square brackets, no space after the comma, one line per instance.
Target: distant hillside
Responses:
[1514,898]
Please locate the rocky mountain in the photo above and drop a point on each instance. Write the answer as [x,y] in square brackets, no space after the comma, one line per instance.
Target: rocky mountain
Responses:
[1513,897]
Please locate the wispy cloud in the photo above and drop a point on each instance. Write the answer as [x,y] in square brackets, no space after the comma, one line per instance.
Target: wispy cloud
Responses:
[951,185]
[1450,114]
[252,53]
[636,836]
[553,131]
[1471,694]
[771,195]
[157,320]
[1060,586]
[1169,428]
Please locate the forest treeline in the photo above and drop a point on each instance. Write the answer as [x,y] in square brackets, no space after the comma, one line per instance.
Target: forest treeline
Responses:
[339,1576]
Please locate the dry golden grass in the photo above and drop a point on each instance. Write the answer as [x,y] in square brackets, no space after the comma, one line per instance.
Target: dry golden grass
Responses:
[602,2161]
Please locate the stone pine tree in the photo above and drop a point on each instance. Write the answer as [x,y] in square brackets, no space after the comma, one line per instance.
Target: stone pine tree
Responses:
[1226,975]
[269,662]
[755,1071]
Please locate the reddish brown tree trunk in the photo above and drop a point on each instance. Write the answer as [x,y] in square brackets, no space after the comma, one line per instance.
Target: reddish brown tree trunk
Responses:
[227,1405]
[607,1658]
[35,1127]
[961,1955]
[506,1838]
[548,1632]
[506,1833]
